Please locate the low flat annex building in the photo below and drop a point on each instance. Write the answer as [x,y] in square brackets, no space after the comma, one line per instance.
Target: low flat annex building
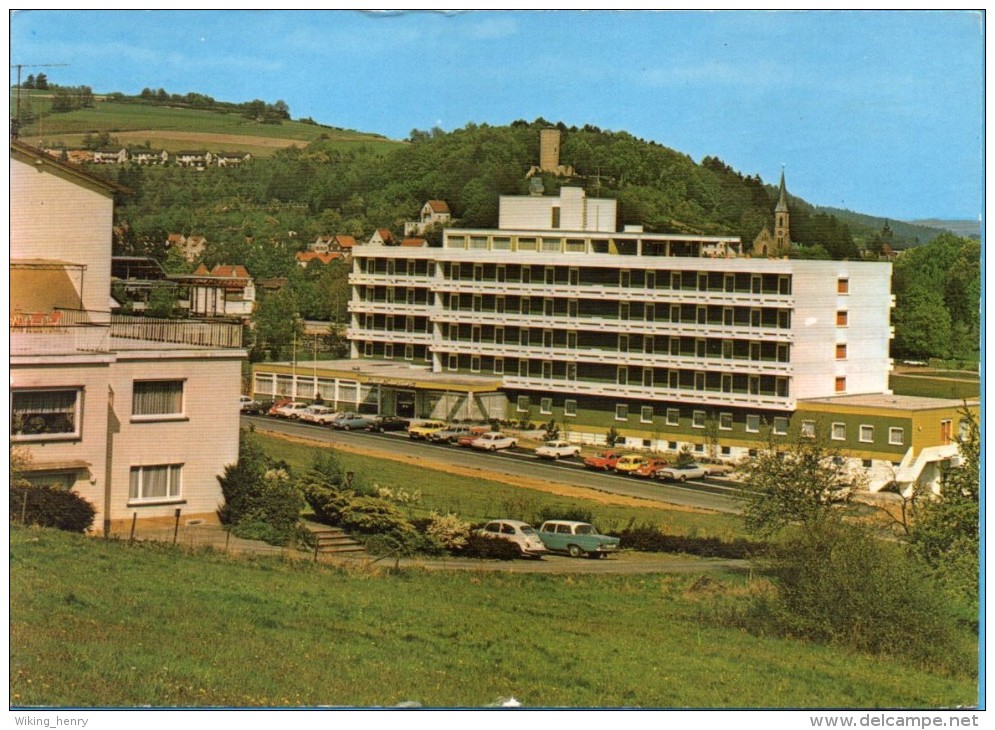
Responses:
[674,340]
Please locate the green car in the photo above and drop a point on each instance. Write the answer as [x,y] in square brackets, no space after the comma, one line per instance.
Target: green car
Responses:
[576,539]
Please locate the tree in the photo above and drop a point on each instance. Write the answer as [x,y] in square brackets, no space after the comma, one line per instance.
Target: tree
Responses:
[922,323]
[29,83]
[944,529]
[800,481]
[41,82]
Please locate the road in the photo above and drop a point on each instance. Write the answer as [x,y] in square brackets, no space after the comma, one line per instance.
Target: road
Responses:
[712,494]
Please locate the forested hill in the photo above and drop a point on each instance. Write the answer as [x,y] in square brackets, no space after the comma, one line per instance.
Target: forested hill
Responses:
[324,188]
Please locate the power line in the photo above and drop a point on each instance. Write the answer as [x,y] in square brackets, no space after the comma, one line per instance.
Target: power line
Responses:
[15,126]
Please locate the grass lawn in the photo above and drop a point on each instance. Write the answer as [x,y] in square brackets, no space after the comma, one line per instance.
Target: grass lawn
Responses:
[477,500]
[954,386]
[102,623]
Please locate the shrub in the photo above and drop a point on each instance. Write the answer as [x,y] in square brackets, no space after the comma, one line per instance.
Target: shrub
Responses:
[837,583]
[370,515]
[478,546]
[648,538]
[449,531]
[51,507]
[326,502]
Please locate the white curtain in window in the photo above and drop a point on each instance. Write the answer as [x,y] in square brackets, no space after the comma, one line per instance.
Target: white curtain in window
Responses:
[157,397]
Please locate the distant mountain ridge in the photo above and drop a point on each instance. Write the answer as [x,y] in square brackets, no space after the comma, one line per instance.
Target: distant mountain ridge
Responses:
[906,233]
[965,228]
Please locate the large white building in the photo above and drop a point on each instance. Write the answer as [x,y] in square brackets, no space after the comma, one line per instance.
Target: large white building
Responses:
[673,340]
[138,416]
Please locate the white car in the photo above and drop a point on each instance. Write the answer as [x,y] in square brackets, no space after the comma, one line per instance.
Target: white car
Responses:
[317,414]
[494,440]
[290,410]
[246,403]
[557,450]
[521,533]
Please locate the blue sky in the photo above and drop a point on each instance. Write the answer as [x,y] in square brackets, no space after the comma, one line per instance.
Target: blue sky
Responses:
[879,112]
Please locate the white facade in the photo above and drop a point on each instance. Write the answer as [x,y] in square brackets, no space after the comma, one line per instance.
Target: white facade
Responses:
[571,211]
[138,416]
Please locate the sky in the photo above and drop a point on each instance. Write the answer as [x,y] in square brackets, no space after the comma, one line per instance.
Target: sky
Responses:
[881,112]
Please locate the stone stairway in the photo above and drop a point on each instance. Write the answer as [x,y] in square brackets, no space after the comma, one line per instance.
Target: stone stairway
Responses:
[335,541]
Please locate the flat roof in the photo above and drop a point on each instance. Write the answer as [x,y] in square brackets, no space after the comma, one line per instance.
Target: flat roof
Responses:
[890,401]
[389,372]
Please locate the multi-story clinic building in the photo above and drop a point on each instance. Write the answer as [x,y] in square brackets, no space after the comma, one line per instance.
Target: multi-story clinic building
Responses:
[672,339]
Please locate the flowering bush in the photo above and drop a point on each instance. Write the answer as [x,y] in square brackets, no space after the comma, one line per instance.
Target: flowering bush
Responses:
[448,530]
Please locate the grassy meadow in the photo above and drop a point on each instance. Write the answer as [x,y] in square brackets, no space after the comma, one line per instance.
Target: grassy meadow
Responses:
[937,384]
[104,623]
[178,128]
[477,500]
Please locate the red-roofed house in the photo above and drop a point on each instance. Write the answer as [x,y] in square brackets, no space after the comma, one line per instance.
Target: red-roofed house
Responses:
[433,213]
[343,243]
[414,242]
[225,291]
[382,237]
[304,258]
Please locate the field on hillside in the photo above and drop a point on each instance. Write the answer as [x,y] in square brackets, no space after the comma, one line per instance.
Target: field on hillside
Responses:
[177,128]
[477,499]
[104,623]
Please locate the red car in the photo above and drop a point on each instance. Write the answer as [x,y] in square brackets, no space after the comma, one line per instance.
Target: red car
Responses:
[649,469]
[605,461]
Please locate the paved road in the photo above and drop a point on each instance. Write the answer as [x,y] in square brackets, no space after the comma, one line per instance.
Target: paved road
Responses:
[712,494]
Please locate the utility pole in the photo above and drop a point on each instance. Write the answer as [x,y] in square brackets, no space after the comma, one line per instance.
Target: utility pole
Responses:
[15,128]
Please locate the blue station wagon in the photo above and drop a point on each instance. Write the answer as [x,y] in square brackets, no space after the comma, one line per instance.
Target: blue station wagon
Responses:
[576,539]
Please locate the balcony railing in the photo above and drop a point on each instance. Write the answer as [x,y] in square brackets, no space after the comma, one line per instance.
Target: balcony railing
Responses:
[68,331]
[178,331]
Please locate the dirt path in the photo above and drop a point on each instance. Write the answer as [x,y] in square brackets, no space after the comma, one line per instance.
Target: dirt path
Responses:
[542,485]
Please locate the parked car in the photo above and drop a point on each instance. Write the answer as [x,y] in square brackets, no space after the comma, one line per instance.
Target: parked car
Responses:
[557,450]
[604,461]
[629,463]
[291,410]
[494,440]
[278,403]
[388,423]
[246,403]
[467,441]
[521,533]
[423,429]
[317,414]
[576,539]
[682,473]
[351,422]
[452,433]
[255,408]
[650,467]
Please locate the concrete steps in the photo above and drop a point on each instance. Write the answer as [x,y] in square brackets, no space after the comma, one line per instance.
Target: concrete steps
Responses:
[334,541]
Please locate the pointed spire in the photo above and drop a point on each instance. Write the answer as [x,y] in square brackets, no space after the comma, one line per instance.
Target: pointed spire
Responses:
[782,201]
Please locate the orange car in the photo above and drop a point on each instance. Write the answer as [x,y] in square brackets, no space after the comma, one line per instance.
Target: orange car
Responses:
[648,470]
[605,461]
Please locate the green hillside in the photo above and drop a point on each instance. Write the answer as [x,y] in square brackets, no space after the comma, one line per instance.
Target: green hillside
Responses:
[133,122]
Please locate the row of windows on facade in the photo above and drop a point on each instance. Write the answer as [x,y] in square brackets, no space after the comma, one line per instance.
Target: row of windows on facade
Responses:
[698,347]
[40,414]
[598,310]
[705,281]
[724,422]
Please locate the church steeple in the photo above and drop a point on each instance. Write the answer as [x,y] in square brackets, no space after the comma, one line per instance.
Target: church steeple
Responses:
[782,220]
[782,201]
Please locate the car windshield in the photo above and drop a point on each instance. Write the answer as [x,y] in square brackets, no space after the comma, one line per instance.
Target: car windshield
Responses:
[584,530]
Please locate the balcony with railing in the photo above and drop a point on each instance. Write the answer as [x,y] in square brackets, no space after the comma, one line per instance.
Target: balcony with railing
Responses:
[74,332]
[636,358]
[613,292]
[684,328]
